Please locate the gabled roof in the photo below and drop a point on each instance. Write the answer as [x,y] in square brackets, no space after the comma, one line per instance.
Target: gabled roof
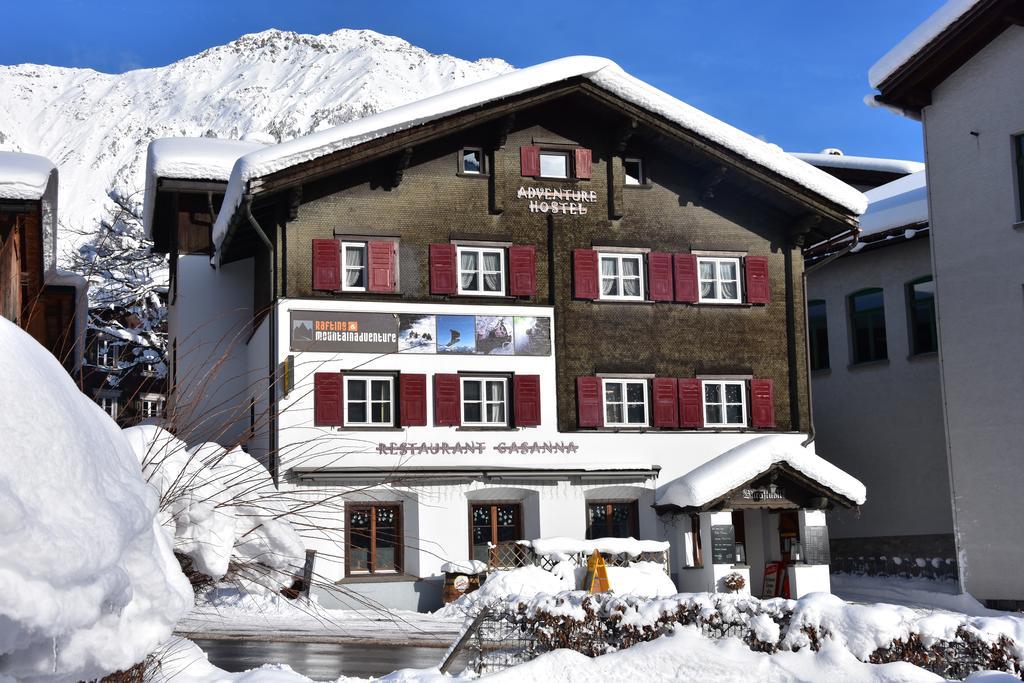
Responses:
[906,75]
[751,460]
[25,177]
[189,159]
[597,71]
[833,160]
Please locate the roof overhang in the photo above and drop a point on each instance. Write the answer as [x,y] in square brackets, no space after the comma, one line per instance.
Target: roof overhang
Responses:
[835,220]
[909,87]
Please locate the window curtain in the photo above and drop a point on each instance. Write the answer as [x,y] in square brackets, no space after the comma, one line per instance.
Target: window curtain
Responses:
[468,268]
[609,279]
[492,272]
[353,267]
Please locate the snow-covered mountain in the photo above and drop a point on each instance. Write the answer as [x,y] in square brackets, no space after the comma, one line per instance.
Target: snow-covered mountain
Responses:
[273,84]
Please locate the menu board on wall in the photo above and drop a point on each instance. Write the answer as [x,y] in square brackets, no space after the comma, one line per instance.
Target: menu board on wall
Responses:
[381,333]
[723,544]
[815,544]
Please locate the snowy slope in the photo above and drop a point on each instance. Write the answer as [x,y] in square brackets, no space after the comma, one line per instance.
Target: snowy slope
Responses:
[96,126]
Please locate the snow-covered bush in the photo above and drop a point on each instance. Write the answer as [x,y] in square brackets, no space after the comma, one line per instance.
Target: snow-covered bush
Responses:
[952,645]
[89,582]
[222,507]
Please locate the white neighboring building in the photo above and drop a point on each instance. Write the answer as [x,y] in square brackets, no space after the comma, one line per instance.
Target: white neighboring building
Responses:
[520,309]
[960,74]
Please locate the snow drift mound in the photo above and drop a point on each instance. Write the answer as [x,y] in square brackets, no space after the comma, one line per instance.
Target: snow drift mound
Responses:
[89,582]
[220,506]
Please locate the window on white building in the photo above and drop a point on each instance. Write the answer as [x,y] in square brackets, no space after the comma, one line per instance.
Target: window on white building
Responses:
[485,401]
[481,270]
[353,259]
[369,401]
[634,169]
[625,402]
[622,276]
[554,165]
[725,403]
[719,280]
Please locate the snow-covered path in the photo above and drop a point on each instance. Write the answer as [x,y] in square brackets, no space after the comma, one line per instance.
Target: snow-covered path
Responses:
[915,593]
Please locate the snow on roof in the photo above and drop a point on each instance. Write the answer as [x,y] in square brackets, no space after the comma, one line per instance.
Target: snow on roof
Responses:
[916,40]
[602,72]
[820,159]
[190,159]
[898,204]
[748,461]
[24,176]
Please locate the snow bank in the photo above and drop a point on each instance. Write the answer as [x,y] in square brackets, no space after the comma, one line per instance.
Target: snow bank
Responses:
[220,505]
[182,661]
[90,583]
[466,567]
[925,33]
[602,72]
[25,176]
[901,203]
[189,159]
[685,655]
[747,461]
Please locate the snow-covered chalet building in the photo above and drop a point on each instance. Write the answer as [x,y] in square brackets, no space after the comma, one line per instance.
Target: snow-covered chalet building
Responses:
[556,303]
[48,303]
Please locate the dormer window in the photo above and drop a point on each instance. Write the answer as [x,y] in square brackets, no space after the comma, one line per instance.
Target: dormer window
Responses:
[471,161]
[554,164]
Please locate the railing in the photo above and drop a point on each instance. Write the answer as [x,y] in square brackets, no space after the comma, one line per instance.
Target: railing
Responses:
[506,556]
[936,569]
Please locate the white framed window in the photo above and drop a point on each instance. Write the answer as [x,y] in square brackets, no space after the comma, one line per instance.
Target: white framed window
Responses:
[634,169]
[471,161]
[725,403]
[353,259]
[719,279]
[369,401]
[622,276]
[485,401]
[151,406]
[554,164]
[481,270]
[625,402]
[106,354]
[109,405]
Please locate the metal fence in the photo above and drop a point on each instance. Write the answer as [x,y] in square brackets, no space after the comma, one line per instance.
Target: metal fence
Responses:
[936,569]
[514,555]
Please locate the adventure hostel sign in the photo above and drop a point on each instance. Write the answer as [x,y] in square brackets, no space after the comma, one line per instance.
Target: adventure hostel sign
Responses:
[557,200]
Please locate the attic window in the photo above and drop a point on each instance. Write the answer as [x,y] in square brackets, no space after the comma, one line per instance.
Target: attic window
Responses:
[471,161]
[554,164]
[634,171]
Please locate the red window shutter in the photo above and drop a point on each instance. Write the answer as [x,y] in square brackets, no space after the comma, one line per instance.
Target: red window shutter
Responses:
[758,289]
[691,404]
[585,273]
[659,276]
[529,161]
[522,271]
[762,404]
[328,399]
[666,402]
[443,271]
[327,265]
[589,405]
[412,400]
[447,400]
[380,259]
[583,163]
[686,278]
[526,390]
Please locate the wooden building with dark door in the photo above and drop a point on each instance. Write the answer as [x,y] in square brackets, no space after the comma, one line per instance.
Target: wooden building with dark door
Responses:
[48,303]
[516,309]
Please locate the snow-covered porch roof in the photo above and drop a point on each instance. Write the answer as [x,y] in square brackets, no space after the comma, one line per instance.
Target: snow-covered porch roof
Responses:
[710,485]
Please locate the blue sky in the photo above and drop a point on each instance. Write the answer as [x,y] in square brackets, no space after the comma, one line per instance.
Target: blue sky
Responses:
[793,72]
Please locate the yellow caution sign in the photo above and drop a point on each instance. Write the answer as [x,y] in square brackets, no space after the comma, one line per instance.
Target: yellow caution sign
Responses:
[597,575]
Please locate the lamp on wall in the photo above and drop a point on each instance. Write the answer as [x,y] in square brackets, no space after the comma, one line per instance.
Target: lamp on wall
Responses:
[797,552]
[741,554]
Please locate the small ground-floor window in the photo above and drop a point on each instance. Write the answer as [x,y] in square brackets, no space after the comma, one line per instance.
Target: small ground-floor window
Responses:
[495,529]
[613,520]
[373,539]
